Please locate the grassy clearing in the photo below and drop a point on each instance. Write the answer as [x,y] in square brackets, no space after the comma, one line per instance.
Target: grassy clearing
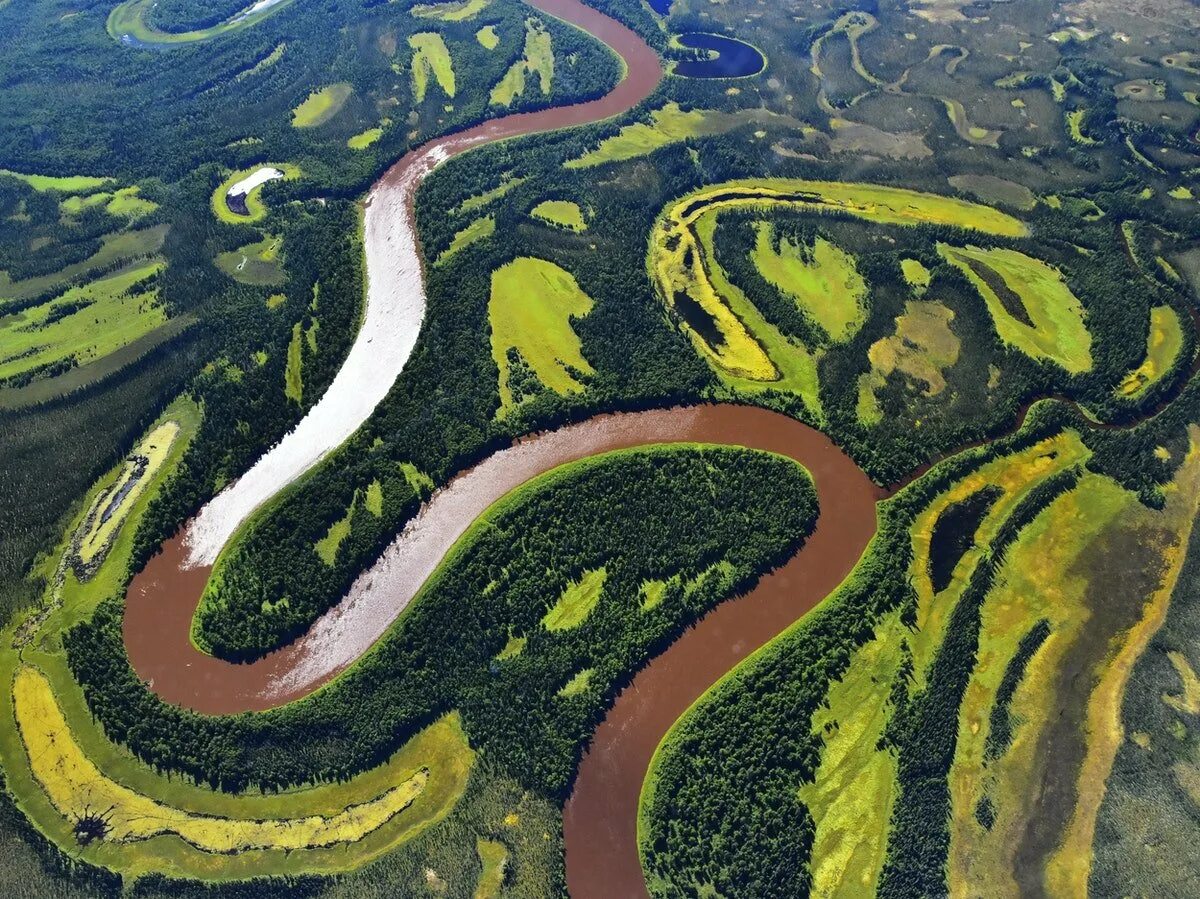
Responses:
[452,11]
[257,263]
[321,105]
[493,858]
[257,210]
[576,602]
[507,183]
[537,59]
[876,203]
[576,685]
[78,790]
[1074,118]
[1016,287]
[916,275]
[1074,568]
[263,64]
[1015,475]
[921,349]
[513,648]
[114,248]
[822,279]
[416,479]
[293,376]
[747,351]
[852,794]
[125,202]
[68,184]
[74,595]
[127,24]
[563,213]
[532,304]
[671,125]
[113,505]
[430,57]
[327,546]
[195,832]
[83,324]
[1164,537]
[487,37]
[365,139]
[1021,597]
[655,590]
[373,500]
[1163,346]
[479,229]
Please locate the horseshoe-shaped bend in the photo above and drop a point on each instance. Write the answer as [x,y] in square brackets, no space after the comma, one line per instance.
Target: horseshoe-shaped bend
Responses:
[600,818]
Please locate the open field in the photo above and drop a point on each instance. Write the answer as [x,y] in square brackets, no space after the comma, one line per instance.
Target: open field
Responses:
[487,37]
[854,789]
[293,379]
[124,202]
[1163,345]
[450,10]
[116,247]
[479,229]
[365,139]
[576,602]
[672,125]
[1030,303]
[562,213]
[915,274]
[921,349]
[430,58]
[1043,779]
[536,60]
[259,263]
[117,309]
[321,105]
[212,836]
[493,858]
[577,684]
[991,189]
[68,184]
[507,183]
[821,278]
[725,328]
[533,343]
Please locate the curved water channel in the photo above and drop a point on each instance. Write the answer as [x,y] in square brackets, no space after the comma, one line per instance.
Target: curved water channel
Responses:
[600,822]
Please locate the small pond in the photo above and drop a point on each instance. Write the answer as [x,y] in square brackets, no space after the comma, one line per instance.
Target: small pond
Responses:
[734,58]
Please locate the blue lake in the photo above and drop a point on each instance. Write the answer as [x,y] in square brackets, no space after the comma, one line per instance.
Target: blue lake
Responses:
[734,58]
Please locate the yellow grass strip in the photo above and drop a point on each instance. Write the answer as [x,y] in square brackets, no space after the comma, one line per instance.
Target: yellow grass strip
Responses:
[77,789]
[1068,869]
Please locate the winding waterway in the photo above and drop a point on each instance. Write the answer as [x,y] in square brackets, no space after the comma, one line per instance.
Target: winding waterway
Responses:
[600,823]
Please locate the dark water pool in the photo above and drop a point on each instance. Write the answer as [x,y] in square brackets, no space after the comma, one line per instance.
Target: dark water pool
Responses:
[734,59]
[662,7]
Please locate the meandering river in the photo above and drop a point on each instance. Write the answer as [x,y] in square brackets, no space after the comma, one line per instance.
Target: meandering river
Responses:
[600,822]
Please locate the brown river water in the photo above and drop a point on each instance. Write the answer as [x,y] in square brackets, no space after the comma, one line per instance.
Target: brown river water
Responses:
[600,818]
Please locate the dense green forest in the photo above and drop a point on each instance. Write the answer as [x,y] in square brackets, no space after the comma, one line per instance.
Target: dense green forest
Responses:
[639,515]
[126,283]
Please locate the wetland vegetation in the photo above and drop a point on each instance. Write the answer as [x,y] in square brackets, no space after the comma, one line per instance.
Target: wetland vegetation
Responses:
[958,240]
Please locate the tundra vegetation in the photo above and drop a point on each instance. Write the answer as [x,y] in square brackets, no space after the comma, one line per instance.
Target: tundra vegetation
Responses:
[969,255]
